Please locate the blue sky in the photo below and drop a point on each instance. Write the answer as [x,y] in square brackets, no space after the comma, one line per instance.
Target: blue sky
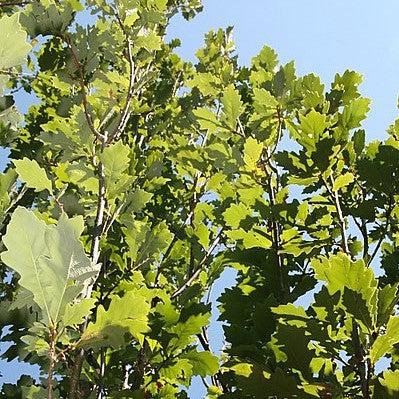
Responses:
[323,37]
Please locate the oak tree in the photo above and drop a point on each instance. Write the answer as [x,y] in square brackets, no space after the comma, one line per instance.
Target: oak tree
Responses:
[136,178]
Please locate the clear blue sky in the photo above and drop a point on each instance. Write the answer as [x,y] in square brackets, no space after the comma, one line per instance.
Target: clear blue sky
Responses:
[323,37]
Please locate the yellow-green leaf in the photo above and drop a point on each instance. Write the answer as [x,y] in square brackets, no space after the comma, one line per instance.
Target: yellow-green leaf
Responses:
[343,181]
[252,152]
[32,174]
[384,343]
[13,45]
[232,107]
[128,314]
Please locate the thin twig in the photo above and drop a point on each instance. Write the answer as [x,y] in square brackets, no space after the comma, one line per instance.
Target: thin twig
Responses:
[94,253]
[100,394]
[18,198]
[98,226]
[279,134]
[276,228]
[335,197]
[377,247]
[82,84]
[14,3]
[192,206]
[106,119]
[363,230]
[217,378]
[240,130]
[165,256]
[132,77]
[198,270]
[111,220]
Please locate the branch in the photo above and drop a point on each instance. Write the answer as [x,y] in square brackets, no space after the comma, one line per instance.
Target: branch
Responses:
[363,226]
[9,210]
[177,84]
[132,77]
[240,130]
[140,365]
[16,199]
[94,253]
[388,215]
[100,394]
[196,273]
[165,256]
[274,224]
[359,349]
[279,134]
[110,221]
[345,246]
[18,75]
[126,384]
[360,362]
[52,362]
[193,203]
[335,197]
[192,206]
[81,79]
[98,224]
[363,230]
[14,3]
[216,379]
[276,243]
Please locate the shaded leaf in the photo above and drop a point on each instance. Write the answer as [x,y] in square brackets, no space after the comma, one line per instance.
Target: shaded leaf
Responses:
[203,363]
[126,315]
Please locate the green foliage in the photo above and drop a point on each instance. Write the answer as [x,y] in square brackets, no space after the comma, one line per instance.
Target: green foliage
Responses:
[49,259]
[384,343]
[124,315]
[138,178]
[32,174]
[13,51]
[13,45]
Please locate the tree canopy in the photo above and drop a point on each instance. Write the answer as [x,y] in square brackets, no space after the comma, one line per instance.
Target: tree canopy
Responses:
[136,178]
